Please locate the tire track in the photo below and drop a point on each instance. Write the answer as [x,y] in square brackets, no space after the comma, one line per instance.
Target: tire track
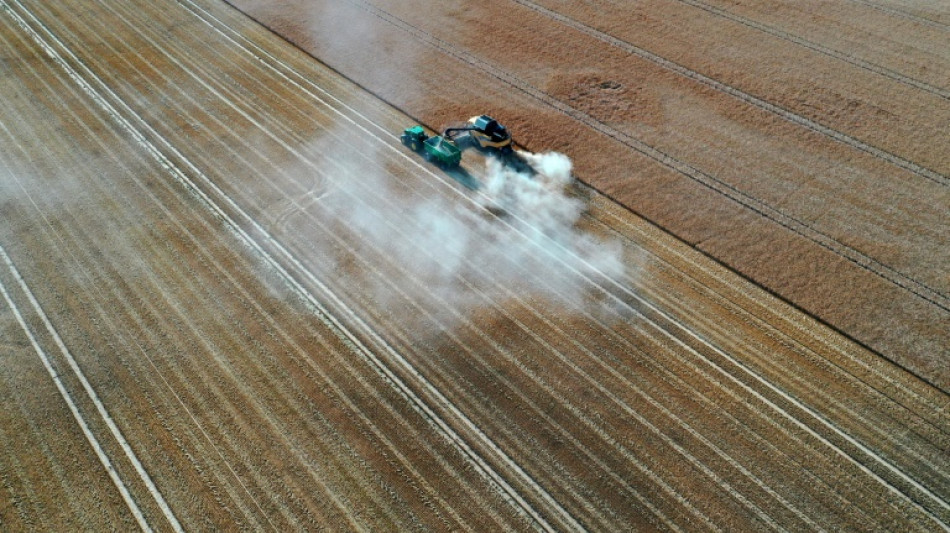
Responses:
[903,14]
[301,112]
[92,245]
[131,172]
[90,392]
[249,147]
[922,398]
[238,156]
[47,364]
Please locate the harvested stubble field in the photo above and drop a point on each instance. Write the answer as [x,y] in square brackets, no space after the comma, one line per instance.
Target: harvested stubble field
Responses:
[231,298]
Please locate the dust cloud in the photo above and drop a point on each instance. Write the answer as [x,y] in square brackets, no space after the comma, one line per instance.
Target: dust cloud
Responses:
[515,236]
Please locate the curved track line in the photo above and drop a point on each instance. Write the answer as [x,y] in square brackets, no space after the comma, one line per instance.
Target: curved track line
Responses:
[331,321]
[100,453]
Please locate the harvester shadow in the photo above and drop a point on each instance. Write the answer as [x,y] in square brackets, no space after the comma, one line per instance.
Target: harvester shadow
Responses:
[464,177]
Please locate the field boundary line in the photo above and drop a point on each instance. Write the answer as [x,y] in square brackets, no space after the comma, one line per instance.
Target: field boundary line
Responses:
[97,448]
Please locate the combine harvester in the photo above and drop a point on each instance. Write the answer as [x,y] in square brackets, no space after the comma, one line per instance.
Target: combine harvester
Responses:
[482,132]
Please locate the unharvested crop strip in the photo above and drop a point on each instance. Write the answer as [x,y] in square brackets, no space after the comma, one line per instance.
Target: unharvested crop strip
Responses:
[903,14]
[824,50]
[793,224]
[331,321]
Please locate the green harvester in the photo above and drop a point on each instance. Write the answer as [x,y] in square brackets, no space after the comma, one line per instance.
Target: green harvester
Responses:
[439,150]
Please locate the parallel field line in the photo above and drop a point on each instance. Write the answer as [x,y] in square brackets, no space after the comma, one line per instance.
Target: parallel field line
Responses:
[249,148]
[108,149]
[893,11]
[93,442]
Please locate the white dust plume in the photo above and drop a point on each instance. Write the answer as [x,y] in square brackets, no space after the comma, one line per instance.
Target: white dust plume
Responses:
[426,238]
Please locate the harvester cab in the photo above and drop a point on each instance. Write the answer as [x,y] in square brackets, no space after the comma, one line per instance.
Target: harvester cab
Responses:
[482,132]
